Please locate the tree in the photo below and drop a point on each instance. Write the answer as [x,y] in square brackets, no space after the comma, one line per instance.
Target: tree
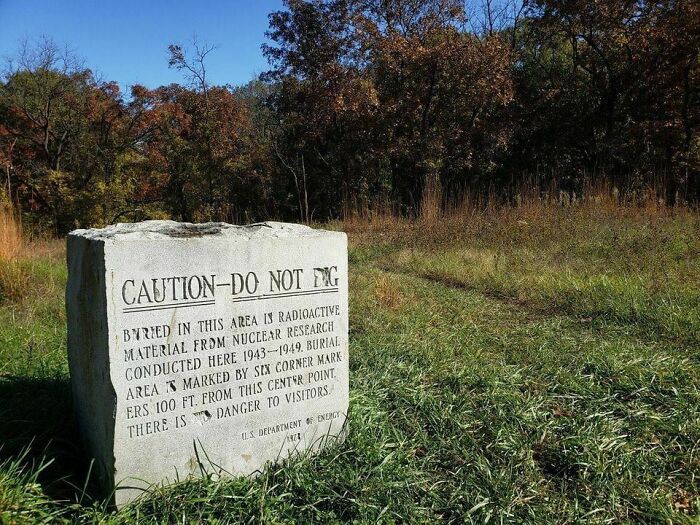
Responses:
[199,145]
[380,96]
[620,81]
[64,130]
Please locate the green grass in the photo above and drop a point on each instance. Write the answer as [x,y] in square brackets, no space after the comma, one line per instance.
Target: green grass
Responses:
[503,369]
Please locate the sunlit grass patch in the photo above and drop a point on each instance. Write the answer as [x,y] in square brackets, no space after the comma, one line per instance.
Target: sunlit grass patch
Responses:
[671,309]
[537,416]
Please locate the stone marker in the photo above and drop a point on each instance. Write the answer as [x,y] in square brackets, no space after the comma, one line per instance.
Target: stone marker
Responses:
[205,347]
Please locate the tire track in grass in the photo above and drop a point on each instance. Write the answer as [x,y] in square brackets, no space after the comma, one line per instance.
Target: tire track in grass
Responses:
[531,311]
[519,406]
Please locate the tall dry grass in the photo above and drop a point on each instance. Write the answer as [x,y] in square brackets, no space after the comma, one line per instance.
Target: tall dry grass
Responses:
[28,267]
[531,201]
[431,202]
[12,272]
[11,238]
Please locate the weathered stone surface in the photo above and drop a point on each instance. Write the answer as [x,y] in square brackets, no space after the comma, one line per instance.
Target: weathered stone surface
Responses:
[205,346]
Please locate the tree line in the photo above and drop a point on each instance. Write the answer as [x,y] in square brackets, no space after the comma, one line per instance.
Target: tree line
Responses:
[365,100]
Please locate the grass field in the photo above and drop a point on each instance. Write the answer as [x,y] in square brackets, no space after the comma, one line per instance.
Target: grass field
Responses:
[539,364]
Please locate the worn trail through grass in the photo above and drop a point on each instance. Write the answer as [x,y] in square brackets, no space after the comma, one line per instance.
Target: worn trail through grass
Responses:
[538,412]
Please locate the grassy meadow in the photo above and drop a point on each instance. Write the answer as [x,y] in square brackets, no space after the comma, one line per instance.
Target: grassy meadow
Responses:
[538,363]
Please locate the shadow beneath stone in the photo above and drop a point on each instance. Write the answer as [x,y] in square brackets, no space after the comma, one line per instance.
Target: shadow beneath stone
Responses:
[37,427]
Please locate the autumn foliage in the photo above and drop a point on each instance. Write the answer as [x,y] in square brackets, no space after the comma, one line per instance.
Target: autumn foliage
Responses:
[406,102]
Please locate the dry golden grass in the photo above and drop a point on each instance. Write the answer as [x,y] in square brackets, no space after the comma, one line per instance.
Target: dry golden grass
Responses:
[388,293]
[11,238]
[12,275]
[532,210]
[46,249]
[13,279]
[22,259]
[431,202]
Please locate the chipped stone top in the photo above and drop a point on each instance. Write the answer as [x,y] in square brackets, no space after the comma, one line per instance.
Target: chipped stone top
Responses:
[182,230]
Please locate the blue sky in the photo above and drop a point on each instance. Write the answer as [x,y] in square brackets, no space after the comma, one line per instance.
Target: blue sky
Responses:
[127,40]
